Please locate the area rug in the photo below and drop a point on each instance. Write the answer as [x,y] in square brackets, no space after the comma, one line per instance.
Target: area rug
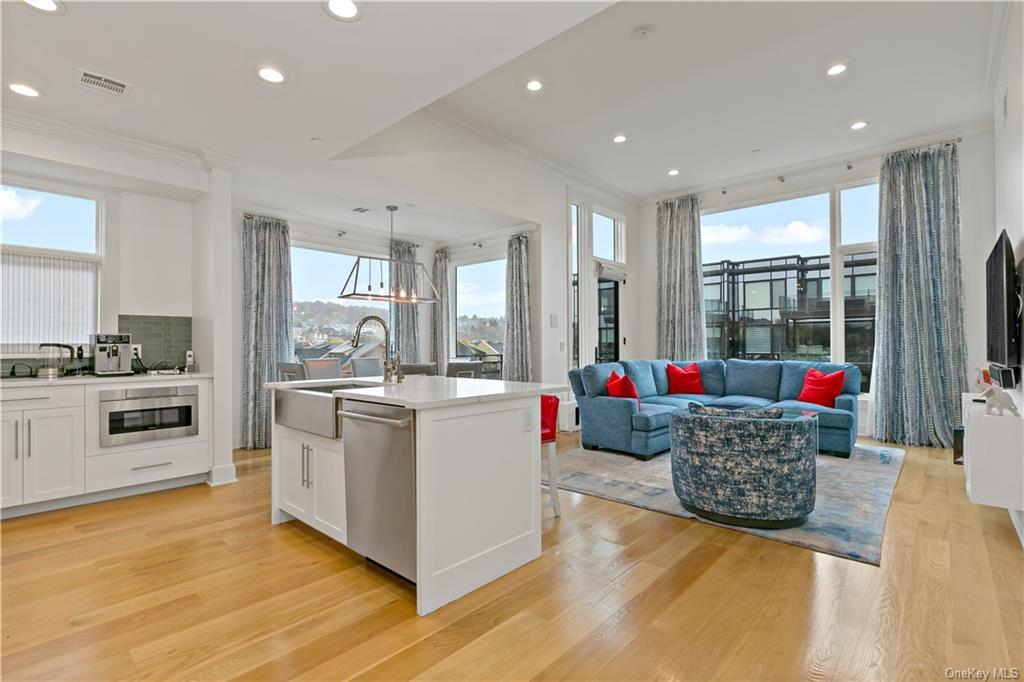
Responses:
[848,520]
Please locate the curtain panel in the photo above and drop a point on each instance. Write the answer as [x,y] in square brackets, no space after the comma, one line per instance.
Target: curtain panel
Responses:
[516,361]
[266,320]
[920,352]
[441,341]
[46,299]
[680,281]
[405,316]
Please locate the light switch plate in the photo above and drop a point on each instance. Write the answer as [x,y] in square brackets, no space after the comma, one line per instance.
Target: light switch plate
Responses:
[554,320]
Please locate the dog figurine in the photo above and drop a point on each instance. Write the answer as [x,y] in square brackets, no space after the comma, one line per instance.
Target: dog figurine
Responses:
[999,400]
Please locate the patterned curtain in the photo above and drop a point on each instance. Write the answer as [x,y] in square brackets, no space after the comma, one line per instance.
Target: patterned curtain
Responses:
[266,320]
[405,324]
[681,334]
[442,333]
[516,362]
[920,366]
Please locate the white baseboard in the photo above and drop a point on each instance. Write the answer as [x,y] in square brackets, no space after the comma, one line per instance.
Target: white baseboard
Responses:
[1017,517]
[101,496]
[222,475]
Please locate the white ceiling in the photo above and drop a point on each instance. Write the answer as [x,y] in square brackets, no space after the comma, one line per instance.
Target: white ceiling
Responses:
[713,81]
[193,68]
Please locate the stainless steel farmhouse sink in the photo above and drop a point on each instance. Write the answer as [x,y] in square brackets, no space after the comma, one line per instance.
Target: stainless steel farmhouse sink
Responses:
[312,408]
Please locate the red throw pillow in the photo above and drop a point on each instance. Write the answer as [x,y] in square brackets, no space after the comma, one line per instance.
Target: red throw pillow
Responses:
[684,380]
[822,389]
[621,387]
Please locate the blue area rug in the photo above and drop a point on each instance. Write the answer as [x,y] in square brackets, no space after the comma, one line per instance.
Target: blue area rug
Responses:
[848,520]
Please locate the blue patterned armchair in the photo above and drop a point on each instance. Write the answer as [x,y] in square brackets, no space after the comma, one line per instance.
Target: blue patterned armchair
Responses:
[743,470]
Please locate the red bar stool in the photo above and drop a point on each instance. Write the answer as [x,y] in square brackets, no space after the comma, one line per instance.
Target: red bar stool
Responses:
[548,436]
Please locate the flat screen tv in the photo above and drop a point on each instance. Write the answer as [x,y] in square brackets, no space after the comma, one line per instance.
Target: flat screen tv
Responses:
[1003,314]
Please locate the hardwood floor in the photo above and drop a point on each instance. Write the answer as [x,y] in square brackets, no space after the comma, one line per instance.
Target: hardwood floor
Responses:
[196,584]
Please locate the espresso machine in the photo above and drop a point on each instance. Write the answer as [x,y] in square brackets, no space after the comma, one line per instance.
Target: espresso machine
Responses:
[112,354]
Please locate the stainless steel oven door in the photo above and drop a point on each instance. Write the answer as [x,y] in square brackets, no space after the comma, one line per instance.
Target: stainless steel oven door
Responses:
[138,420]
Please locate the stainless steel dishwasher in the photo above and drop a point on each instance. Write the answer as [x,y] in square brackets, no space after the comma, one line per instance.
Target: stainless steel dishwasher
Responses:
[380,484]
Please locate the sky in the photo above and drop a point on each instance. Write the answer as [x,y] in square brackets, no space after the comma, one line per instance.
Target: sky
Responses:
[319,275]
[792,227]
[481,289]
[47,221]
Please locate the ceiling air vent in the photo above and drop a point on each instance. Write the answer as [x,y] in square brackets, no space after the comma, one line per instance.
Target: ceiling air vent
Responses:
[109,86]
[361,209]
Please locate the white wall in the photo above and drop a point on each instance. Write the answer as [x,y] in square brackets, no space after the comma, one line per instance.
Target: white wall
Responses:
[155,256]
[1009,132]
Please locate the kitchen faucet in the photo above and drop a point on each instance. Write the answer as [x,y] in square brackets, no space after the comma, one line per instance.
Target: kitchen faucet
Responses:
[392,366]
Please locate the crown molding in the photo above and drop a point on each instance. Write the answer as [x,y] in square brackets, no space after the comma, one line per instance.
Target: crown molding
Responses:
[66,132]
[576,176]
[490,235]
[997,40]
[813,166]
[211,159]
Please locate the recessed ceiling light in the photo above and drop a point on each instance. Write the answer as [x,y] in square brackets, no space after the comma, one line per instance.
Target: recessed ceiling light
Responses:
[271,75]
[343,10]
[48,6]
[534,85]
[316,140]
[858,125]
[674,171]
[619,139]
[836,69]
[22,89]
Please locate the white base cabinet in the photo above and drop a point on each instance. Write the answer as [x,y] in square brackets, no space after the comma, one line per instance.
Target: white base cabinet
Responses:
[310,480]
[43,454]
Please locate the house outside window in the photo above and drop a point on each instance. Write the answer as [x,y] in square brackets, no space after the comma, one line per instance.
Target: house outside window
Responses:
[479,312]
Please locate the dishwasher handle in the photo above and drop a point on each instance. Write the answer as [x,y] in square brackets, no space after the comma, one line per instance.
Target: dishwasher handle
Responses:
[393,423]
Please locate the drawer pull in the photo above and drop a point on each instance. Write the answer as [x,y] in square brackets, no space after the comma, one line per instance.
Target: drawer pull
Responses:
[152,466]
[15,400]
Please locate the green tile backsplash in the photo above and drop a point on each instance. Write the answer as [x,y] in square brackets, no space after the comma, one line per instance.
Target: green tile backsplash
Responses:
[164,339]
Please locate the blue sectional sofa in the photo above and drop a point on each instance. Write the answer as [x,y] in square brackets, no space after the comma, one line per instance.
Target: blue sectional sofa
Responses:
[642,429]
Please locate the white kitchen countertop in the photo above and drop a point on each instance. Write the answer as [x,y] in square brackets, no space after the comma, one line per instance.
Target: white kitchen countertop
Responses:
[420,392]
[90,379]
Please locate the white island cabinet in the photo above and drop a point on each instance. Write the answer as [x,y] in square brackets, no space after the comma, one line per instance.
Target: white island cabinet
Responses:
[439,480]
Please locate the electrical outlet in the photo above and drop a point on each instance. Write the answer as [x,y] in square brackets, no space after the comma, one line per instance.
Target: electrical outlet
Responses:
[137,351]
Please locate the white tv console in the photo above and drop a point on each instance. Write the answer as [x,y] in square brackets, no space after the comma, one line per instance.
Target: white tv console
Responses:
[994,458]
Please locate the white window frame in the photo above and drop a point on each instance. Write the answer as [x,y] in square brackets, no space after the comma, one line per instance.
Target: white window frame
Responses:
[619,235]
[99,198]
[837,250]
[482,255]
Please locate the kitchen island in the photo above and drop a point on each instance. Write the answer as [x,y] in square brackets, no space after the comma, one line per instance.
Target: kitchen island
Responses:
[435,478]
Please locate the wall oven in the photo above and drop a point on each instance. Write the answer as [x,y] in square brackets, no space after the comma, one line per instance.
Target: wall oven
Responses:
[137,415]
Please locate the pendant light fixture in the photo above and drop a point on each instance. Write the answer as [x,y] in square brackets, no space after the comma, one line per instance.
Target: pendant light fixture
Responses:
[365,282]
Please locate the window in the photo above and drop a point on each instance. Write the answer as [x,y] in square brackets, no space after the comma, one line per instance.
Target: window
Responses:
[480,313]
[574,285]
[768,279]
[50,267]
[323,324]
[604,237]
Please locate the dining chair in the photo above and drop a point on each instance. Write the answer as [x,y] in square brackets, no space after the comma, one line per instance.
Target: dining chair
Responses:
[367,367]
[422,368]
[291,371]
[464,370]
[549,438]
[322,368]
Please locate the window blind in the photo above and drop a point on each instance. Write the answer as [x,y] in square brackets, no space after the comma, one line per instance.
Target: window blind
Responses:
[46,299]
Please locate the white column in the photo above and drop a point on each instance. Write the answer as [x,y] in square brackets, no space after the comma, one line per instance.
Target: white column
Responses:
[213,305]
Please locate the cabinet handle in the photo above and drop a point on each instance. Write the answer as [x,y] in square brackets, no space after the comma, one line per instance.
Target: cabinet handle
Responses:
[16,439]
[28,438]
[152,466]
[18,400]
[304,446]
[309,467]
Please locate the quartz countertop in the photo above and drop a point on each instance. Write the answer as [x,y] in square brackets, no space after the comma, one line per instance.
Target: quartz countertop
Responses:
[90,379]
[420,392]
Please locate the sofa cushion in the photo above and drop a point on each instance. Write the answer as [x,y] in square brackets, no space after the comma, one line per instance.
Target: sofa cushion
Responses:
[642,376]
[595,377]
[758,378]
[821,388]
[681,401]
[794,371]
[750,413]
[828,417]
[712,375]
[735,402]
[651,417]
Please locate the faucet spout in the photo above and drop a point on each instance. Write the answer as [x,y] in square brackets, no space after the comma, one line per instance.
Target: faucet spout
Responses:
[390,362]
